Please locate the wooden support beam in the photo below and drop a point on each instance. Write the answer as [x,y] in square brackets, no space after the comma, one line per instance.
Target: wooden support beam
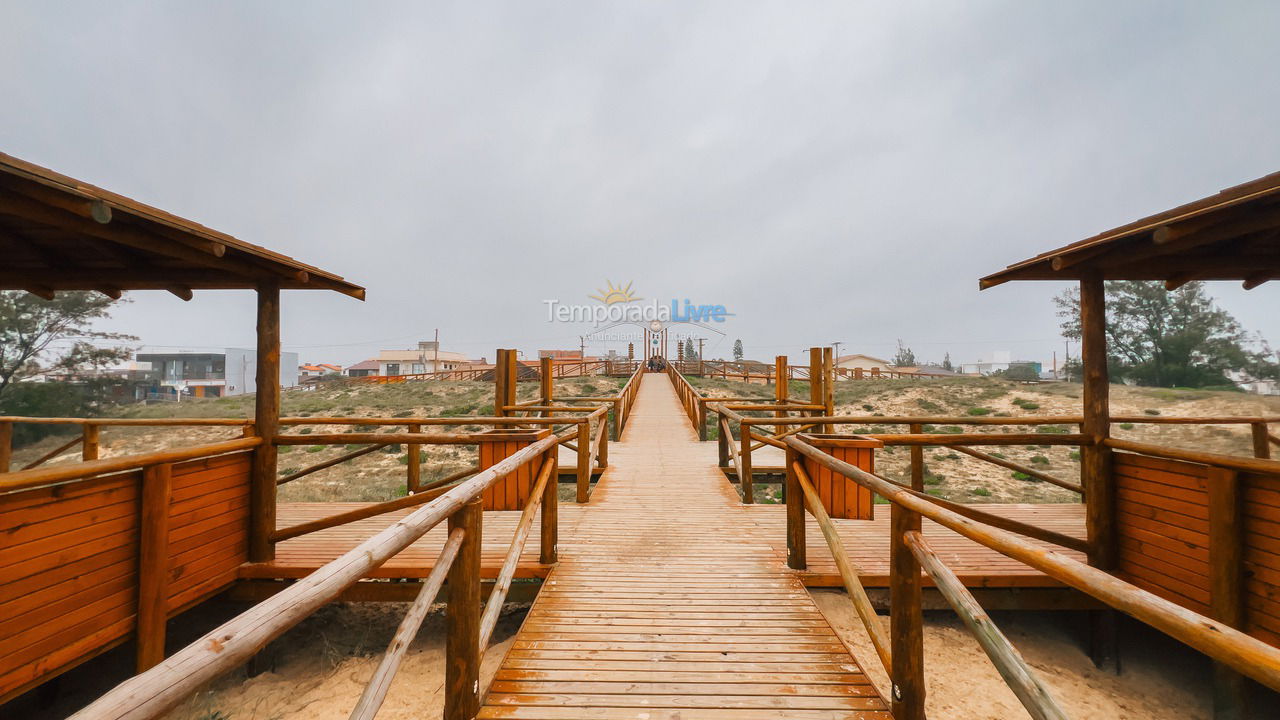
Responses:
[266,417]
[906,619]
[1095,463]
[549,542]
[793,496]
[89,442]
[917,460]
[1257,279]
[462,618]
[1226,583]
[746,478]
[153,565]
[584,462]
[1261,440]
[182,292]
[413,469]
[6,445]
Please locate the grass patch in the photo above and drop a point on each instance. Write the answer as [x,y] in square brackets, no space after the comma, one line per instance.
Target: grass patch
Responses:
[978,411]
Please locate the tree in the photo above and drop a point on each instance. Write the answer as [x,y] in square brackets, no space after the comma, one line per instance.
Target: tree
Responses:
[946,362]
[690,355]
[1168,339]
[737,350]
[904,358]
[33,332]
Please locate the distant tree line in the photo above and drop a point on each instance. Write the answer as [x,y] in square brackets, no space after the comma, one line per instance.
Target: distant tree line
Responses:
[1163,338]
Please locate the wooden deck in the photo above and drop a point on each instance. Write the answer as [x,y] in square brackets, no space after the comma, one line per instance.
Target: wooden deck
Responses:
[663,607]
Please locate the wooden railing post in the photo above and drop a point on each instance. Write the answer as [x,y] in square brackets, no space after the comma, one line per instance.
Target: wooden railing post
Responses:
[547,385]
[153,565]
[917,460]
[550,537]
[414,472]
[462,618]
[828,386]
[89,442]
[722,442]
[793,496]
[500,381]
[266,416]
[602,458]
[747,479]
[6,446]
[584,461]
[1095,459]
[1261,440]
[906,619]
[1226,583]
[702,419]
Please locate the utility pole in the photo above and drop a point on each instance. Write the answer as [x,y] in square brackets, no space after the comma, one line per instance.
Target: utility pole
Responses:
[435,362]
[837,345]
[582,347]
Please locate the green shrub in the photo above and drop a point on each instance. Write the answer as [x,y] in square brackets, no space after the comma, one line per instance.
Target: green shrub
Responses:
[315,448]
[978,411]
[867,407]
[1030,406]
[933,478]
[1052,429]
[1151,411]
[1039,460]
[981,492]
[403,414]
[1126,426]
[1024,477]
[928,405]
[1075,455]
[951,429]
[305,431]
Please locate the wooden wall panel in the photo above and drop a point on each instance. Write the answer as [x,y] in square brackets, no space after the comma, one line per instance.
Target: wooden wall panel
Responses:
[842,497]
[1162,517]
[69,561]
[68,574]
[1262,556]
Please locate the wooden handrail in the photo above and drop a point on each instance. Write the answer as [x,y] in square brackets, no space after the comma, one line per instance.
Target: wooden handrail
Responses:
[24,479]
[493,606]
[376,689]
[1002,522]
[1232,647]
[159,689]
[1033,694]
[1254,465]
[53,453]
[852,583]
[330,463]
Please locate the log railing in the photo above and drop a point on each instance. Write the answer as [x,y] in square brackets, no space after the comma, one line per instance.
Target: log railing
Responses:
[159,689]
[88,435]
[909,554]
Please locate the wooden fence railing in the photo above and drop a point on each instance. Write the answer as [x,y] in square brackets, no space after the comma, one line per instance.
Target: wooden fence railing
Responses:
[157,690]
[910,553]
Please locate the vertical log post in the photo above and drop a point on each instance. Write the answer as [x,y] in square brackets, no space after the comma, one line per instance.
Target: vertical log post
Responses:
[584,461]
[550,538]
[747,481]
[1261,442]
[262,493]
[500,383]
[917,461]
[793,496]
[1095,465]
[153,565]
[602,457]
[780,389]
[462,619]
[1226,584]
[722,442]
[828,386]
[89,442]
[906,620]
[816,393]
[6,446]
[702,420]
[546,383]
[414,468]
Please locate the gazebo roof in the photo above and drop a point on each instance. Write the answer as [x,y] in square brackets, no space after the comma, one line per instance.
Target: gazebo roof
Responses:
[58,233]
[1233,235]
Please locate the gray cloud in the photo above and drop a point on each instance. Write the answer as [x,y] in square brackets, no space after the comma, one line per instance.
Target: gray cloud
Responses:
[829,171]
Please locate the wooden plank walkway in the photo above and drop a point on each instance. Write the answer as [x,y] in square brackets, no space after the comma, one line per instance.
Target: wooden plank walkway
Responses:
[669,602]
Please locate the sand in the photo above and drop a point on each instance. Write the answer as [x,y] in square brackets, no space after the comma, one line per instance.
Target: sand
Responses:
[1160,678]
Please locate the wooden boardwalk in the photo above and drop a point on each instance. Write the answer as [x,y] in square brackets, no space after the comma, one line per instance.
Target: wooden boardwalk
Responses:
[669,602]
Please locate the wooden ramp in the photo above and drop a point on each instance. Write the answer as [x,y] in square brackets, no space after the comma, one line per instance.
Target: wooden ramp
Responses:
[670,602]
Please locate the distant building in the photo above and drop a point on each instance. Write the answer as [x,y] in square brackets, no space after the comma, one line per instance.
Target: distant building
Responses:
[319,369]
[1001,361]
[864,362]
[364,368]
[560,354]
[427,358]
[233,372]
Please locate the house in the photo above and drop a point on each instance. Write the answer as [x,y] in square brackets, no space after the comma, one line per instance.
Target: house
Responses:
[1001,361]
[560,354]
[364,368]
[427,358]
[211,374]
[866,363]
[319,369]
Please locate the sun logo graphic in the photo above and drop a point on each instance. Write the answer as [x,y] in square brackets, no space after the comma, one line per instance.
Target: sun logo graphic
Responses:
[610,295]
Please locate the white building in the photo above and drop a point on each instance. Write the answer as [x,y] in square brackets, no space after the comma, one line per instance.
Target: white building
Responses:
[427,358]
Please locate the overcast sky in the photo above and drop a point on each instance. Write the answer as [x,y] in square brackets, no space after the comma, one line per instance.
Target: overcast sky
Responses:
[826,171]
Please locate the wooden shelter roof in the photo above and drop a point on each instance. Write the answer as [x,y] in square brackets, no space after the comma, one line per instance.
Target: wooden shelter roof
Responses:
[1233,235]
[58,233]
